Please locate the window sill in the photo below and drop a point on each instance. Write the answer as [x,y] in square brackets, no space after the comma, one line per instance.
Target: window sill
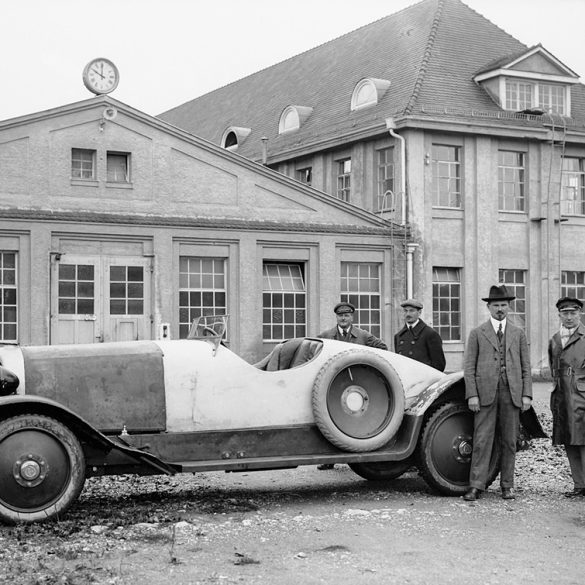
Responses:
[119,186]
[84,183]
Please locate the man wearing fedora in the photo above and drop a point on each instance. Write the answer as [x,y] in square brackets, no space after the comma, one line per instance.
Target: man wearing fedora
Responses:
[345,331]
[566,358]
[417,340]
[498,384]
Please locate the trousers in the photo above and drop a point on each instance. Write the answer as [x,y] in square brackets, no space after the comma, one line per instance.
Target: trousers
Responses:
[500,421]
[576,457]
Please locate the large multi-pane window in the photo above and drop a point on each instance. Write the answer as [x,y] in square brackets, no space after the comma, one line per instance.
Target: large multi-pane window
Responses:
[524,95]
[360,285]
[344,179]
[82,163]
[447,303]
[446,162]
[519,95]
[284,301]
[515,281]
[573,285]
[8,297]
[202,290]
[511,180]
[573,186]
[386,195]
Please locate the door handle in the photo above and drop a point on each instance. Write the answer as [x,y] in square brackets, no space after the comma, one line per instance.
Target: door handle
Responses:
[100,338]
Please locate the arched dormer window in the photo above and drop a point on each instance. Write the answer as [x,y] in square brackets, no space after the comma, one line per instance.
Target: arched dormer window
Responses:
[292,118]
[368,92]
[234,136]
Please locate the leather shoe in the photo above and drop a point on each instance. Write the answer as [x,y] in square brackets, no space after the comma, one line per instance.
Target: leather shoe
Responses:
[508,494]
[472,495]
[576,493]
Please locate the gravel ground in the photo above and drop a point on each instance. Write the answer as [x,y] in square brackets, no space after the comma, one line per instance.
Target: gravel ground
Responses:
[126,526]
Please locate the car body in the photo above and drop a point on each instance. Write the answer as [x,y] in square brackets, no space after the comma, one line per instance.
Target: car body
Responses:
[151,407]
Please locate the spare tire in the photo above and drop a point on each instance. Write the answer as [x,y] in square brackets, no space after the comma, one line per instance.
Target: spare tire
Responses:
[358,400]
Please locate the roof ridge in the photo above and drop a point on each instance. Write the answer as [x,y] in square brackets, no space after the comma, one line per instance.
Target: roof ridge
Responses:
[426,58]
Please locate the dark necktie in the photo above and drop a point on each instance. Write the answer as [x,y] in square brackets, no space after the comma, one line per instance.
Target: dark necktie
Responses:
[500,333]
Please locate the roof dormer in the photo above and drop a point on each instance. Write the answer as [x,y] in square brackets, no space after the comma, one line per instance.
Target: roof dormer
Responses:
[531,81]
[292,118]
[368,92]
[234,136]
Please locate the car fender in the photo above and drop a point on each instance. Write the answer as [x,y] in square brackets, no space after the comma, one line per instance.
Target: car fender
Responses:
[15,405]
[450,385]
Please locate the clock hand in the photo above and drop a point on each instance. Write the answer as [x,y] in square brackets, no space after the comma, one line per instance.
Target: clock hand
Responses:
[100,74]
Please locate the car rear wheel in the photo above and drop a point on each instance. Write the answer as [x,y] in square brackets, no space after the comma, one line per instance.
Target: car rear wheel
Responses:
[445,448]
[382,470]
[42,468]
[358,401]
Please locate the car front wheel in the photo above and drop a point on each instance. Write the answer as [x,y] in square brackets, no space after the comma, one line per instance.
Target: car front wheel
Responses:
[445,447]
[42,468]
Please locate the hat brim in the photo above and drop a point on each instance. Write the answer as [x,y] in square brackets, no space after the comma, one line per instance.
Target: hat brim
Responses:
[491,299]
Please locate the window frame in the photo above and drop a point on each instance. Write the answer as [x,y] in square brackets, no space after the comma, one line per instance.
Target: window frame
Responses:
[275,313]
[12,285]
[382,167]
[93,155]
[343,179]
[110,155]
[452,198]
[516,283]
[453,322]
[505,170]
[568,205]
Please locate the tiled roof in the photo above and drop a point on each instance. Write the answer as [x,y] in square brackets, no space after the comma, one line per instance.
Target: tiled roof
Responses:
[429,52]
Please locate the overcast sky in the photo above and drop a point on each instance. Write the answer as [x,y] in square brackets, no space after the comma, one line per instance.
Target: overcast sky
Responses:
[170,51]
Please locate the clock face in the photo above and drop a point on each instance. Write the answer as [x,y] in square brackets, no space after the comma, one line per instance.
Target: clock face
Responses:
[101,76]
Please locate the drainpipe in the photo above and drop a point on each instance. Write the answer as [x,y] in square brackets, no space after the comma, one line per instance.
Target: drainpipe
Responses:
[410,249]
[391,126]
[264,150]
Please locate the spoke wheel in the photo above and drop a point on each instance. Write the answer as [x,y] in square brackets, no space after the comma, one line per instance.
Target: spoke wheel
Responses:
[42,468]
[358,401]
[382,470]
[445,449]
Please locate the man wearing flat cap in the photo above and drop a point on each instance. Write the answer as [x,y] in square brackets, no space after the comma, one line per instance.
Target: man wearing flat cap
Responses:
[417,340]
[345,330]
[498,385]
[566,358]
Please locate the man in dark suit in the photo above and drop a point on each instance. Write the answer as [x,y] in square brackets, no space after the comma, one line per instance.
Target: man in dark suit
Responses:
[498,385]
[345,330]
[417,340]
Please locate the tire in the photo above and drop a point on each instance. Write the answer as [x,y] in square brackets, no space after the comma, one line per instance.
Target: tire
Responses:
[382,470]
[445,447]
[358,401]
[42,468]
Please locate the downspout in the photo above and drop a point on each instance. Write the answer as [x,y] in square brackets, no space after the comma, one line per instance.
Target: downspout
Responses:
[391,126]
[411,246]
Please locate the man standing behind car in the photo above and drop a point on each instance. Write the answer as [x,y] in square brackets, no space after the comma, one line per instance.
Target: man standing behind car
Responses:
[566,358]
[417,340]
[498,384]
[345,331]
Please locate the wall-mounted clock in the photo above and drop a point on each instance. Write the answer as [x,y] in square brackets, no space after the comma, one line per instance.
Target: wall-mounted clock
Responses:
[101,76]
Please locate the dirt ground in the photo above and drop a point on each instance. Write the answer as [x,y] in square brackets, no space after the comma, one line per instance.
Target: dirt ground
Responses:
[306,526]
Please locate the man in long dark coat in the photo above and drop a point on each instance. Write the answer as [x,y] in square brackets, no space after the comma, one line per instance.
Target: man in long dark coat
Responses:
[566,355]
[417,340]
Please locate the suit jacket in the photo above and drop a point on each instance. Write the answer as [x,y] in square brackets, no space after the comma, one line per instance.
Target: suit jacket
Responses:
[356,335]
[481,364]
[423,344]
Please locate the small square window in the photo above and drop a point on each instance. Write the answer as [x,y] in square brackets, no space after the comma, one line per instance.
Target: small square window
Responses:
[82,163]
[118,167]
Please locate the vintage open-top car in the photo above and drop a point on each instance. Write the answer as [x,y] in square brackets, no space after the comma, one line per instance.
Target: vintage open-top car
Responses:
[68,412]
